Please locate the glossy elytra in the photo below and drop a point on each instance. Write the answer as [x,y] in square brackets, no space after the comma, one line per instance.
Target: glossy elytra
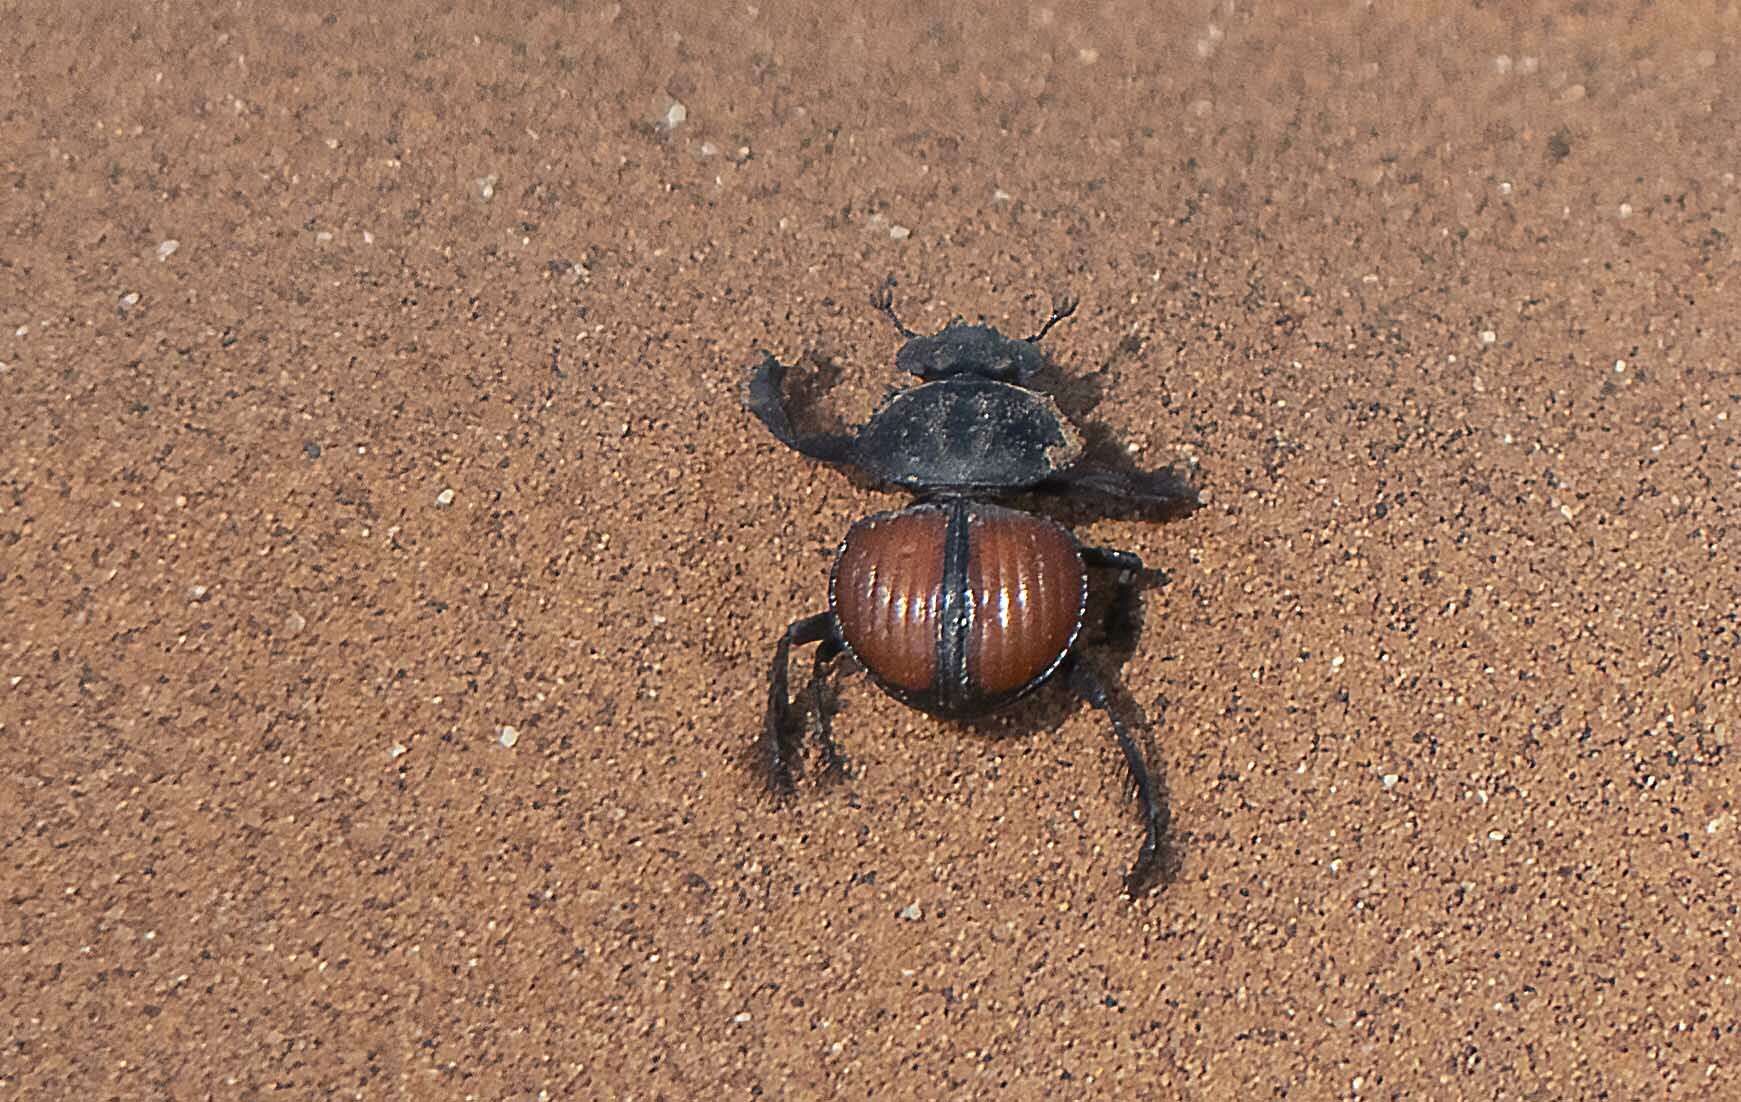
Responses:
[958,605]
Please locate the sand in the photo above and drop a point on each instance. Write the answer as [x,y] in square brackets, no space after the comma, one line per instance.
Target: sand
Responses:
[389,572]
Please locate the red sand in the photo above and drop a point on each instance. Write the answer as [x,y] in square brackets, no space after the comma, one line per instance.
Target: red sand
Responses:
[428,428]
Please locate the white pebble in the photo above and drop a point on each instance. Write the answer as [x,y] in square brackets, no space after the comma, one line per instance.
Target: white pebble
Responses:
[166,249]
[508,737]
[444,498]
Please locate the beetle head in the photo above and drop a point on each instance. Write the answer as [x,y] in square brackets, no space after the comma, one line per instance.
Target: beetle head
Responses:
[962,349]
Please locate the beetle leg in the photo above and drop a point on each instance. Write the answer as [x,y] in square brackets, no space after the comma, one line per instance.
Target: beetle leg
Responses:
[1167,491]
[1113,559]
[1156,816]
[763,397]
[834,763]
[782,734]
[1123,613]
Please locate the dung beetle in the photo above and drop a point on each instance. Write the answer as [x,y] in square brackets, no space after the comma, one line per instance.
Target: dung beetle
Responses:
[956,605]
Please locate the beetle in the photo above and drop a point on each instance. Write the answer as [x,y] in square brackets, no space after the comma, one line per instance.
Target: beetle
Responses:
[959,605]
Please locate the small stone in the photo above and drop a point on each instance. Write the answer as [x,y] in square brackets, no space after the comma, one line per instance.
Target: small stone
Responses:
[912,912]
[397,750]
[508,737]
[444,498]
[166,249]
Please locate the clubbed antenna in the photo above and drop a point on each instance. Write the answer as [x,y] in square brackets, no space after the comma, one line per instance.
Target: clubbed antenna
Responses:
[883,298]
[1062,307]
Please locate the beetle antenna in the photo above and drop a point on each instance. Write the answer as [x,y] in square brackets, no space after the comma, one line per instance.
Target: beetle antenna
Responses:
[883,298]
[1062,307]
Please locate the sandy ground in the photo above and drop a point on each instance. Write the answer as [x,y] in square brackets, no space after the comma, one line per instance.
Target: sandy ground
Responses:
[389,573]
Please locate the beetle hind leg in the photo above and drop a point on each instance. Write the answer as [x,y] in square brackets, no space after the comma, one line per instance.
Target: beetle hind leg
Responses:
[780,749]
[822,708]
[1151,860]
[1124,611]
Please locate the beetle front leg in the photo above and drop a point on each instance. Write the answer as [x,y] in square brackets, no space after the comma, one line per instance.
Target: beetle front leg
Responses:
[782,733]
[1168,492]
[764,396]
